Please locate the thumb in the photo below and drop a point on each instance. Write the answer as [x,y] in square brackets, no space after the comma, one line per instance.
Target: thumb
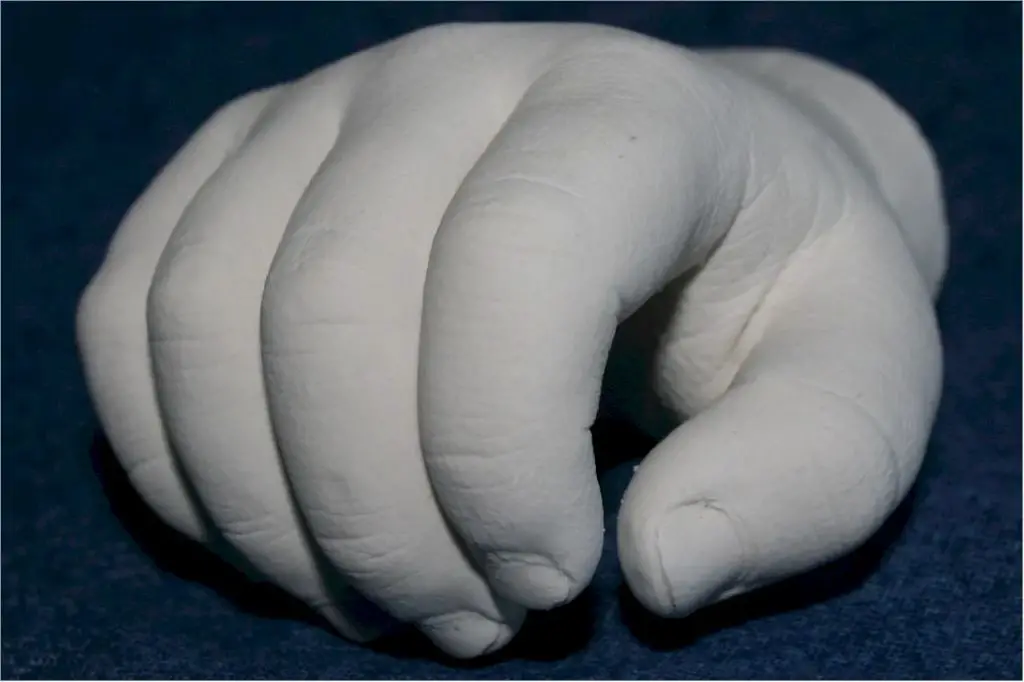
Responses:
[817,438]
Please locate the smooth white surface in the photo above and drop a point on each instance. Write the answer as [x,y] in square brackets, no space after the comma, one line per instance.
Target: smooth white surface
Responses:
[366,315]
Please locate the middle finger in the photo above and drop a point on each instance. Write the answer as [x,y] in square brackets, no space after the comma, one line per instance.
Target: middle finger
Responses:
[341,316]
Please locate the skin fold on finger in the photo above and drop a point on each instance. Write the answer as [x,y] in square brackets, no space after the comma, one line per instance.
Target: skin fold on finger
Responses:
[878,136]
[204,335]
[342,367]
[111,316]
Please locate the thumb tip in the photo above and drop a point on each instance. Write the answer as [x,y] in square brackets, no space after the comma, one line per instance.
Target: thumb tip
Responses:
[680,560]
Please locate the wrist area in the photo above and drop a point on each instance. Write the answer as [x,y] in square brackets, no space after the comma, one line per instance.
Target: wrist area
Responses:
[878,135]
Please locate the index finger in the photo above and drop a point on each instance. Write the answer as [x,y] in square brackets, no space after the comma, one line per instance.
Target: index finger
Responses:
[608,179]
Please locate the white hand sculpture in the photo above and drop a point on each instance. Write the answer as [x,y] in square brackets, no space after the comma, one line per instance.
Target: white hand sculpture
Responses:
[364,317]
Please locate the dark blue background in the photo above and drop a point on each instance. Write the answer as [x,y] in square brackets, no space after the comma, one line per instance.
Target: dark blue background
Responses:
[97,97]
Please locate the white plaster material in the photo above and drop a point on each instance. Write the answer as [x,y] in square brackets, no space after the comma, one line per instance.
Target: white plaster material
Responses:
[369,312]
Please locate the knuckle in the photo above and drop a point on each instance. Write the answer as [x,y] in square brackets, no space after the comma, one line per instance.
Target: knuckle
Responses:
[640,79]
[635,54]
[95,303]
[311,286]
[183,299]
[234,117]
[100,311]
[432,32]
[259,534]
[375,561]
[413,43]
[293,294]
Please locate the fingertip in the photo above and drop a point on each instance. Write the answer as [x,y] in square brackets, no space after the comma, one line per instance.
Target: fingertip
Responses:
[465,634]
[688,558]
[530,580]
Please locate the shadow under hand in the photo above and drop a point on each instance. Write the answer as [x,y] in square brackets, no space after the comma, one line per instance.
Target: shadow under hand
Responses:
[545,636]
[832,580]
[556,634]
[182,557]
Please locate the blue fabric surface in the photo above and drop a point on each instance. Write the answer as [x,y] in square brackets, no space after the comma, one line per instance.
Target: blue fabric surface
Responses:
[97,97]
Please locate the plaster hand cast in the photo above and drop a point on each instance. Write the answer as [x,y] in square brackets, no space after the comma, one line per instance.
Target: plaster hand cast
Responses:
[353,335]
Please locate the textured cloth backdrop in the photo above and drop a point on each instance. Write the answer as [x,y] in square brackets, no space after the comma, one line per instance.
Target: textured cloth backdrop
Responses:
[95,100]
